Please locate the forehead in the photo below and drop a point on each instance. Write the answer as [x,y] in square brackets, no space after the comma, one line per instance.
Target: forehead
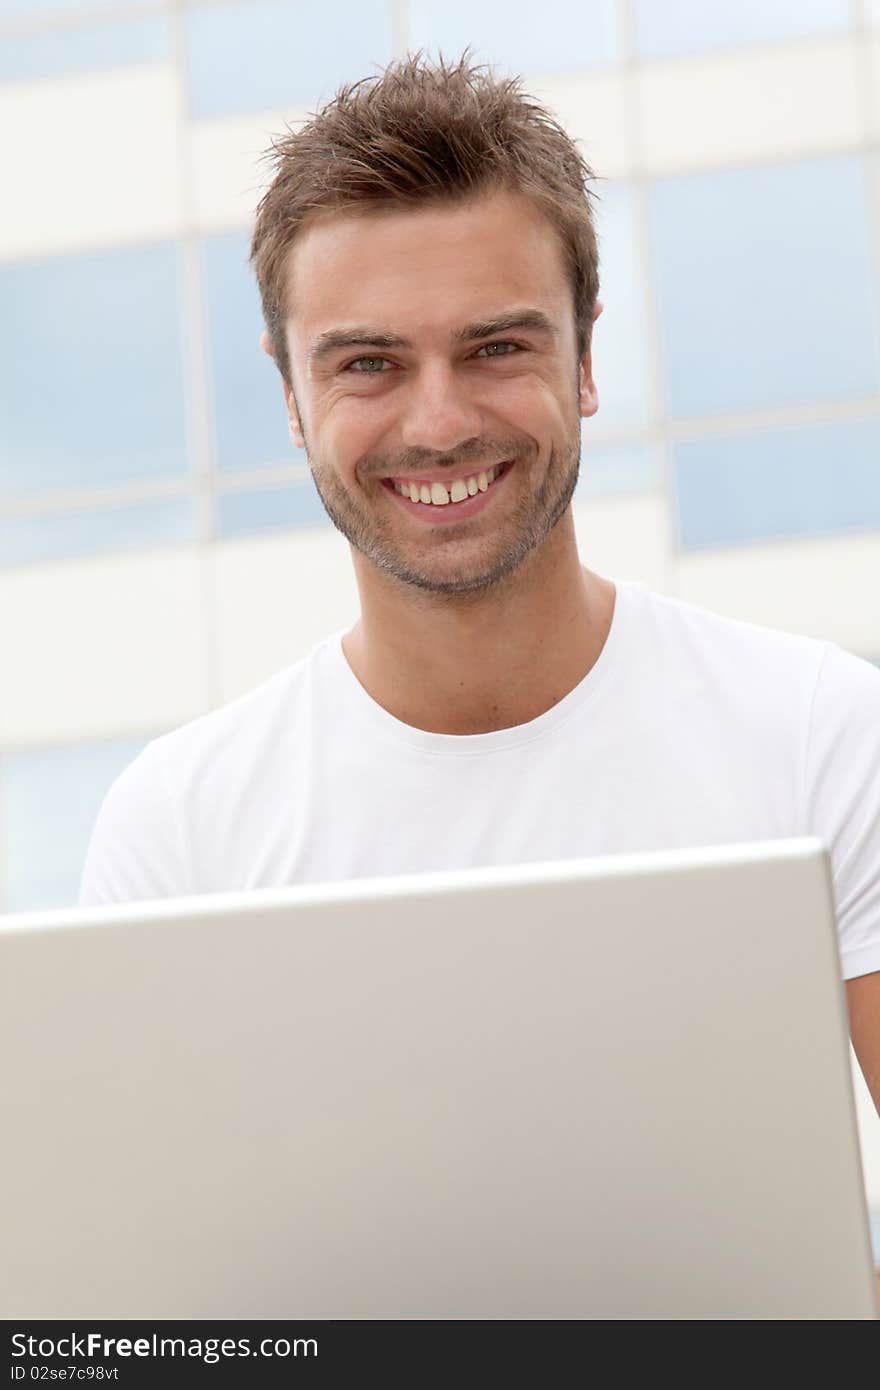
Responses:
[429,267]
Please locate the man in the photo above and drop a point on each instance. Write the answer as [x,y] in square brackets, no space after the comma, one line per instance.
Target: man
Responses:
[428,271]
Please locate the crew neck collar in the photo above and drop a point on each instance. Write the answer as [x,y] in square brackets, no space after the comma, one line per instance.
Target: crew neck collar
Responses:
[387,726]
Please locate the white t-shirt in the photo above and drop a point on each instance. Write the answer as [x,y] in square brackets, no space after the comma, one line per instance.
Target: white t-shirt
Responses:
[690,729]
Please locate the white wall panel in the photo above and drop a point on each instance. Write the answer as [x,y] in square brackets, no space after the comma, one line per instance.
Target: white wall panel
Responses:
[775,103]
[229,177]
[826,587]
[101,647]
[273,598]
[593,109]
[89,161]
[626,537]
[872,65]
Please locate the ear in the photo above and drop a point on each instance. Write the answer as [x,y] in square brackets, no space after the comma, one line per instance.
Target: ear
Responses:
[294,427]
[589,396]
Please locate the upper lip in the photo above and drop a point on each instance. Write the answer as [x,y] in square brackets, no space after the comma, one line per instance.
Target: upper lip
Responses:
[444,475]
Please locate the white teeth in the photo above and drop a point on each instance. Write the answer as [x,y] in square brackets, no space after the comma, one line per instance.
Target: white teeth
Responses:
[437,494]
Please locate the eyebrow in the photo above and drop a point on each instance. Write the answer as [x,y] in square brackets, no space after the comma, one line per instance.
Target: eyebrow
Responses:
[338,338]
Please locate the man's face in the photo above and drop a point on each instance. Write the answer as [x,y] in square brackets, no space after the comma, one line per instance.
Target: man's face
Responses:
[433,387]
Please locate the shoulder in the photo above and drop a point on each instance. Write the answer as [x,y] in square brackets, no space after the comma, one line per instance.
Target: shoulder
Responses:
[243,732]
[722,653]
[211,757]
[844,673]
[199,774]
[690,622]
[846,711]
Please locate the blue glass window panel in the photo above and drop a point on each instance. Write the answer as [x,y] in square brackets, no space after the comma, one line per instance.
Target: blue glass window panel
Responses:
[49,801]
[274,53]
[801,480]
[85,48]
[91,370]
[689,26]
[764,286]
[271,509]
[63,535]
[250,413]
[562,34]
[620,368]
[606,469]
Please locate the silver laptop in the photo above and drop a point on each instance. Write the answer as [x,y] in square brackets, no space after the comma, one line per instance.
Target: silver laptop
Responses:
[598,1088]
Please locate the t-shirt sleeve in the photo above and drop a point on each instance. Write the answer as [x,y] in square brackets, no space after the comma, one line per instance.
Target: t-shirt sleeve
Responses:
[135,851]
[842,798]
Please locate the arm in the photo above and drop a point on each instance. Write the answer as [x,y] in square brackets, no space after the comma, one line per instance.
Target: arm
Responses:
[842,807]
[863,1003]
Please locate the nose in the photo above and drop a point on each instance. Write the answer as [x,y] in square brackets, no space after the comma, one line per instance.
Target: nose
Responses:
[439,412]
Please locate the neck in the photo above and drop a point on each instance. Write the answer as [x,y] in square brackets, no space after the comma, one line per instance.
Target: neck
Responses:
[475,667]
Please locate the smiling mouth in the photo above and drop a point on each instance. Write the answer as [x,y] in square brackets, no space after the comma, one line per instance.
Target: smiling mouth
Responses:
[435,493]
[440,516]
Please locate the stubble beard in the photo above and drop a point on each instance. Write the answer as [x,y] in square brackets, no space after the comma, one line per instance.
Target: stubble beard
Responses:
[526,527]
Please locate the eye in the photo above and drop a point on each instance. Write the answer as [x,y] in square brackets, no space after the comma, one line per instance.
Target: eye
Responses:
[359,371]
[369,371]
[488,346]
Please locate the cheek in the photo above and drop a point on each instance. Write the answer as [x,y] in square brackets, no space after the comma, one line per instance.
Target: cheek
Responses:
[351,429]
[528,399]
